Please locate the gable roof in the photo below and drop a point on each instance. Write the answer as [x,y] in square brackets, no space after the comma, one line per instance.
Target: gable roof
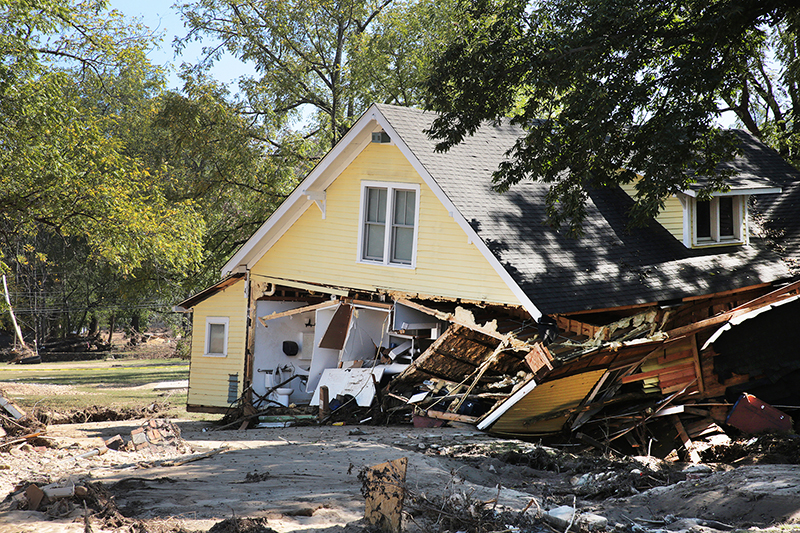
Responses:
[550,273]
[609,266]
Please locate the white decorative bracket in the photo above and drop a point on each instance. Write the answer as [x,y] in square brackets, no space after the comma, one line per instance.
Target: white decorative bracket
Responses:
[319,198]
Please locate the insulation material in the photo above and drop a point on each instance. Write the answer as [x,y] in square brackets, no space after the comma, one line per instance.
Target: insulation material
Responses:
[553,397]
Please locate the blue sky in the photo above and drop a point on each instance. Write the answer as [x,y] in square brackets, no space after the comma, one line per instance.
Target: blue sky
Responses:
[159,16]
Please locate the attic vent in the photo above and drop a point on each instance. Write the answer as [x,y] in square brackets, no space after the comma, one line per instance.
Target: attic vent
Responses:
[380,137]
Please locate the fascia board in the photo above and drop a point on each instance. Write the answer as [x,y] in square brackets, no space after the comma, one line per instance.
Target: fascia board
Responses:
[738,191]
[326,171]
[460,219]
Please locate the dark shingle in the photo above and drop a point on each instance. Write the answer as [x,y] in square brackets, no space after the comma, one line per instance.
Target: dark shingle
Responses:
[609,266]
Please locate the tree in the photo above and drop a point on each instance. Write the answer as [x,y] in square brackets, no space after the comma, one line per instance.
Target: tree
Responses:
[206,151]
[611,90]
[319,63]
[61,167]
[73,201]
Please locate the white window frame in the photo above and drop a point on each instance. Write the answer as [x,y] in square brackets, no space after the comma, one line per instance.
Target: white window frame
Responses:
[391,188]
[740,229]
[225,321]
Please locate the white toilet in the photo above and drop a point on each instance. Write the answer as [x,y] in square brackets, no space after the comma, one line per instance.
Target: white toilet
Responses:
[283,395]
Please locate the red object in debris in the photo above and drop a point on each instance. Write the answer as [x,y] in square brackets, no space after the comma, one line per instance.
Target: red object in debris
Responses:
[751,415]
[422,421]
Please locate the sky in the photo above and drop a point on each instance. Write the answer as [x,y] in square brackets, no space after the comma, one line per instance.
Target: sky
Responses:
[159,16]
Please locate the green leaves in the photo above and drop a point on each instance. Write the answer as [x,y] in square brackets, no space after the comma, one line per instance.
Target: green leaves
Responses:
[605,90]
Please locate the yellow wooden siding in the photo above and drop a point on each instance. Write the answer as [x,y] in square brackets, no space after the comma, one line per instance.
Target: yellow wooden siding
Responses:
[325,251]
[671,217]
[550,397]
[668,363]
[208,376]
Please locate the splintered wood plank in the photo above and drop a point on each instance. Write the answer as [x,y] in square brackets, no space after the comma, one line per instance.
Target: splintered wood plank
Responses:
[384,487]
[684,436]
[539,360]
[336,333]
[698,367]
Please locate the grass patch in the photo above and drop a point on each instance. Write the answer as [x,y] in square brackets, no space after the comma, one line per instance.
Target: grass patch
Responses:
[112,384]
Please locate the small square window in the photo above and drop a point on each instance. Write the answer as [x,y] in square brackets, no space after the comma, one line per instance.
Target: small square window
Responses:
[216,341]
[718,221]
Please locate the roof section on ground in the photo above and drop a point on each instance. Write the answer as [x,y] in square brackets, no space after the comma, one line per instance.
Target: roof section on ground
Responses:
[609,266]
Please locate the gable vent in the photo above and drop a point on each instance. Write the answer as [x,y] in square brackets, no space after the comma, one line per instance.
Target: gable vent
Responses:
[381,137]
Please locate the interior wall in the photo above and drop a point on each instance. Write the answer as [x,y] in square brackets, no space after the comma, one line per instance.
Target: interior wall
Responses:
[268,350]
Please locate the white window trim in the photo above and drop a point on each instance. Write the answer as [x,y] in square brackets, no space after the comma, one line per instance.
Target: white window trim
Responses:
[225,321]
[391,187]
[741,229]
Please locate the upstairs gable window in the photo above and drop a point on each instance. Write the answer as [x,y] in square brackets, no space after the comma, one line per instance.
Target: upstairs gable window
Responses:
[388,231]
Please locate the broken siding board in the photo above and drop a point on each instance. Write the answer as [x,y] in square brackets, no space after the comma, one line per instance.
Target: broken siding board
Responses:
[539,360]
[447,265]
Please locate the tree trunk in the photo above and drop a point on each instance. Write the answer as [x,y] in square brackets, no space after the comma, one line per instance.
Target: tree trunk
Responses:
[94,326]
[111,326]
[13,318]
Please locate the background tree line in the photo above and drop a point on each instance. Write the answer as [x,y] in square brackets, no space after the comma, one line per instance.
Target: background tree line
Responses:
[119,196]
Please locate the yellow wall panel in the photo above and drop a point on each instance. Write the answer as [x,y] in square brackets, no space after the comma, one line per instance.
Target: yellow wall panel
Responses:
[671,217]
[549,397]
[208,376]
[326,251]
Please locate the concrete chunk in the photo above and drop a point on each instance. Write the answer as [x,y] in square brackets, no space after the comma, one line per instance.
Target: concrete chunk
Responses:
[560,518]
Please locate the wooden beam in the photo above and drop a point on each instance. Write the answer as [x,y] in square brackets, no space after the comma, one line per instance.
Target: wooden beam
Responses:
[453,417]
[299,310]
[687,442]
[770,296]
[733,313]
[698,369]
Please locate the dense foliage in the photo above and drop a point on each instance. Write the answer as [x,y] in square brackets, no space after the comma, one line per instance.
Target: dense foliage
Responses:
[610,90]
[119,197]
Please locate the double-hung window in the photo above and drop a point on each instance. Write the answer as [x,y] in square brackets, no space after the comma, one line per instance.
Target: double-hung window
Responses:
[216,344]
[718,220]
[389,215]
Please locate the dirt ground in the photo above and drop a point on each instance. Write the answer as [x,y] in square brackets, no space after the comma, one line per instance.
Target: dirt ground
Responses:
[305,479]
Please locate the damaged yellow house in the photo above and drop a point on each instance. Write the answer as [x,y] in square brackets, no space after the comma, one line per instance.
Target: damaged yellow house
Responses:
[387,246]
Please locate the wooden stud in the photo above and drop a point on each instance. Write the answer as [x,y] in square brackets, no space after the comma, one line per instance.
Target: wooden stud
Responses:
[697,366]
[687,442]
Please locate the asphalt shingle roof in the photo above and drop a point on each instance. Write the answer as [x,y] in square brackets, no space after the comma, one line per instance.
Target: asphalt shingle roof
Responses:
[609,266]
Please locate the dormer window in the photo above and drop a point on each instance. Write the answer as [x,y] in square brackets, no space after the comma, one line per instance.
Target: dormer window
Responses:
[718,220]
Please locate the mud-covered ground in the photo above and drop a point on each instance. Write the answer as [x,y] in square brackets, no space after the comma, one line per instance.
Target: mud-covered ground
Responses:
[307,479]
